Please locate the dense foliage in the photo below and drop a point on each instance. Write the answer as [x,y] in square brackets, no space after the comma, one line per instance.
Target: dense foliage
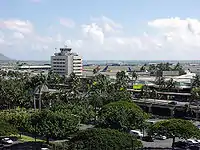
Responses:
[18,118]
[7,129]
[100,139]
[122,115]
[85,114]
[54,124]
[175,128]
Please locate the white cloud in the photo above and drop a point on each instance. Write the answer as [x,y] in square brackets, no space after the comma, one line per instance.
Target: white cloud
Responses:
[18,35]
[107,24]
[93,32]
[17,25]
[103,38]
[67,22]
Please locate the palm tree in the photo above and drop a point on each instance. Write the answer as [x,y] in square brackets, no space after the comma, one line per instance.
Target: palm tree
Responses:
[133,77]
[196,97]
[170,84]
[196,81]
[160,81]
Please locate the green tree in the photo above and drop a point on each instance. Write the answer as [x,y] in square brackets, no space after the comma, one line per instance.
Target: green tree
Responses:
[122,80]
[195,96]
[54,124]
[121,115]
[100,139]
[196,81]
[179,68]
[170,84]
[7,129]
[19,118]
[85,114]
[173,128]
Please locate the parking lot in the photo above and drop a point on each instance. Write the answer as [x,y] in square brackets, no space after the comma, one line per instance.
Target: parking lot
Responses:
[158,143]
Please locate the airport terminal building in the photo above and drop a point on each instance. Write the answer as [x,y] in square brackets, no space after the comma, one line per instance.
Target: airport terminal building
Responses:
[65,62]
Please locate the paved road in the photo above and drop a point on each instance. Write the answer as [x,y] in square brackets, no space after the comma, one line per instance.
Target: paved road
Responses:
[156,101]
[159,143]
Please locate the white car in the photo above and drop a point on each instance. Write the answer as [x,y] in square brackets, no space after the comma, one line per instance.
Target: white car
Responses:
[192,141]
[136,133]
[7,141]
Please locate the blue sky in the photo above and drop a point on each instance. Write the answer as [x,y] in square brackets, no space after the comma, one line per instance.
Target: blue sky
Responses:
[131,29]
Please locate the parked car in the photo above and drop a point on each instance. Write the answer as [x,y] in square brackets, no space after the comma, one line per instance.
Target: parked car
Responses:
[7,141]
[186,145]
[172,103]
[192,141]
[148,138]
[181,145]
[136,133]
[160,137]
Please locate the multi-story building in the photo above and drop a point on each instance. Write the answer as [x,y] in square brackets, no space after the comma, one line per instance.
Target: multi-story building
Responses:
[65,62]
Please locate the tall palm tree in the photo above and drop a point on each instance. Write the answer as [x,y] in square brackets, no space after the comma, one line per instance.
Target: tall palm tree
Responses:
[196,81]
[134,77]
[195,97]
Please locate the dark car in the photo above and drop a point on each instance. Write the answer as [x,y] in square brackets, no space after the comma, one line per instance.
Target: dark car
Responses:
[172,103]
[186,146]
[148,139]
[181,144]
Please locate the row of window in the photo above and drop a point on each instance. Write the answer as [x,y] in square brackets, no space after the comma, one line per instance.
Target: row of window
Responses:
[59,59]
[59,62]
[59,69]
[59,66]
[77,63]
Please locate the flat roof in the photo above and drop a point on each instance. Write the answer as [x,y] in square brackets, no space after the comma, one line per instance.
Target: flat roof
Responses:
[34,67]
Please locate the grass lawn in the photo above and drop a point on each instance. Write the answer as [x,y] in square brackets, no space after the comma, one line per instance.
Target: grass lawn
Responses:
[25,138]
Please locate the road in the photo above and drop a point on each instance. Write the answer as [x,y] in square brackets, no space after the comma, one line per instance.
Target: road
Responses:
[156,101]
[159,143]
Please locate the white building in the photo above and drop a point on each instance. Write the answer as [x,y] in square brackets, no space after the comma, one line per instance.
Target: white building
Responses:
[65,62]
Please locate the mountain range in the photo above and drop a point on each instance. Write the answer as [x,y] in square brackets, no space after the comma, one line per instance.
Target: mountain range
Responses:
[3,57]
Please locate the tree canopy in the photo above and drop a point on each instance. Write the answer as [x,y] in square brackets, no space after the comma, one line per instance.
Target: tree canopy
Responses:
[7,129]
[100,139]
[54,124]
[121,115]
[175,128]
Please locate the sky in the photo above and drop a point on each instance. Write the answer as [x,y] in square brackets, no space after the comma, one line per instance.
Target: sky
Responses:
[101,29]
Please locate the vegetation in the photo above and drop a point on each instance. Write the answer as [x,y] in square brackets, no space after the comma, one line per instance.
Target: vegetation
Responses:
[54,124]
[175,128]
[159,68]
[100,139]
[74,101]
[121,115]
[7,129]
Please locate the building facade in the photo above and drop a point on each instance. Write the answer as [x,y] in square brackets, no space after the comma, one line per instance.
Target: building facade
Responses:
[65,62]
